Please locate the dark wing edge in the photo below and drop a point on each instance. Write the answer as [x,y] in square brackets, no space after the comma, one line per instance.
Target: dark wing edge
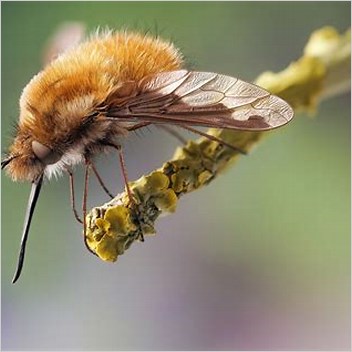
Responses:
[204,99]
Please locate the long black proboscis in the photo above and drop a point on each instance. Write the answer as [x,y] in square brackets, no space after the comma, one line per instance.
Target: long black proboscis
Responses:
[32,201]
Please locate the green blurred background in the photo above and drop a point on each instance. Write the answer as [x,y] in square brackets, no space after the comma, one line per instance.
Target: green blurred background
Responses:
[260,259]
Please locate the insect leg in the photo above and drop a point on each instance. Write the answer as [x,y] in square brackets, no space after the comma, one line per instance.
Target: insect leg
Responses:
[72,196]
[125,178]
[213,138]
[173,132]
[84,202]
[101,182]
[136,127]
[128,189]
[85,195]
[124,175]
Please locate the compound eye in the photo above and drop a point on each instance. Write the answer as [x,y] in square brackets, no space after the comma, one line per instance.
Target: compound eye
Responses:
[46,155]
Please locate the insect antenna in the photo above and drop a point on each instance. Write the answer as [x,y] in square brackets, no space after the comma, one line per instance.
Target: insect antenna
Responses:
[213,138]
[32,201]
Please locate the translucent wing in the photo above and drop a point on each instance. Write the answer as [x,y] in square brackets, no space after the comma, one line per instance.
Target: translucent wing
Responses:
[203,99]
